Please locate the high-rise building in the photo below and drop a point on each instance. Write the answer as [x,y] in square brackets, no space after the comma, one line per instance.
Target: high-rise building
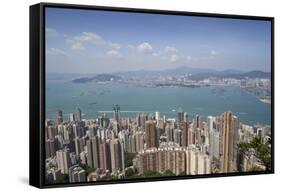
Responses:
[103,120]
[191,136]
[77,174]
[191,160]
[78,145]
[93,152]
[139,141]
[78,114]
[124,138]
[228,134]
[92,131]
[116,155]
[105,160]
[50,148]
[58,117]
[177,136]
[51,132]
[185,117]
[96,153]
[116,128]
[142,167]
[171,161]
[198,121]
[169,133]
[122,155]
[63,160]
[83,158]
[71,117]
[180,163]
[116,113]
[152,165]
[78,130]
[132,143]
[180,115]
[203,166]
[197,162]
[214,138]
[184,126]
[143,118]
[151,134]
[161,161]
[157,116]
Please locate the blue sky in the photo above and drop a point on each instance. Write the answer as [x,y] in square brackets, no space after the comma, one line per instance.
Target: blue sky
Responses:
[87,41]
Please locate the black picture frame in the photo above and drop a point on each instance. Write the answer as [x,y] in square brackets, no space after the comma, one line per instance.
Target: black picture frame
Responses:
[37,91]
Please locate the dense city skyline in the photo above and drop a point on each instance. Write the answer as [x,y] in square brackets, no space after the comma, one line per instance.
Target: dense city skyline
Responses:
[147,145]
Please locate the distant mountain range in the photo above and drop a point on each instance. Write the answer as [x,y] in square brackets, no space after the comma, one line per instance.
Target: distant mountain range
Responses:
[175,71]
[198,73]
[251,74]
[194,74]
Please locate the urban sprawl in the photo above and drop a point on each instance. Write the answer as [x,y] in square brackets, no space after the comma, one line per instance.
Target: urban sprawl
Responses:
[147,145]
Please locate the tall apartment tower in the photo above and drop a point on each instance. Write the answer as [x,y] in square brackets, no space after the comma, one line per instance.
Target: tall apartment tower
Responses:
[157,116]
[78,114]
[71,117]
[63,160]
[228,134]
[93,152]
[105,158]
[58,117]
[77,174]
[116,113]
[180,115]
[184,127]
[139,141]
[116,153]
[151,134]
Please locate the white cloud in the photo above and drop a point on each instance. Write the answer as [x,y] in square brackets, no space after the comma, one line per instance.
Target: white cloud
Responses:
[113,54]
[76,45]
[78,42]
[174,58]
[56,51]
[213,53]
[170,49]
[89,37]
[50,32]
[188,58]
[145,48]
[155,54]
[114,45]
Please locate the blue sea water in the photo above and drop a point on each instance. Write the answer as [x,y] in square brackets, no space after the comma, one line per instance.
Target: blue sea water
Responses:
[94,99]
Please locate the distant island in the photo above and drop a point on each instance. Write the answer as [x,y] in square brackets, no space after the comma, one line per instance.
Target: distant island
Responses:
[98,78]
[194,74]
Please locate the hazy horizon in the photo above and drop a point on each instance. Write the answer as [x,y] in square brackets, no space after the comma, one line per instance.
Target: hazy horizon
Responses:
[88,41]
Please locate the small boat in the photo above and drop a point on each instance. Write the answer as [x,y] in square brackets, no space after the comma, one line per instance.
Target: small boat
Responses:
[93,103]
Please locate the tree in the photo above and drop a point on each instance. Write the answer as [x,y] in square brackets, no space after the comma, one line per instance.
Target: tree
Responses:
[168,173]
[62,178]
[130,172]
[150,174]
[87,168]
[259,148]
[129,159]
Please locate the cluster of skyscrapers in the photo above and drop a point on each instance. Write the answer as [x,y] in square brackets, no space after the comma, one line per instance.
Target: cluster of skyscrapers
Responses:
[98,149]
